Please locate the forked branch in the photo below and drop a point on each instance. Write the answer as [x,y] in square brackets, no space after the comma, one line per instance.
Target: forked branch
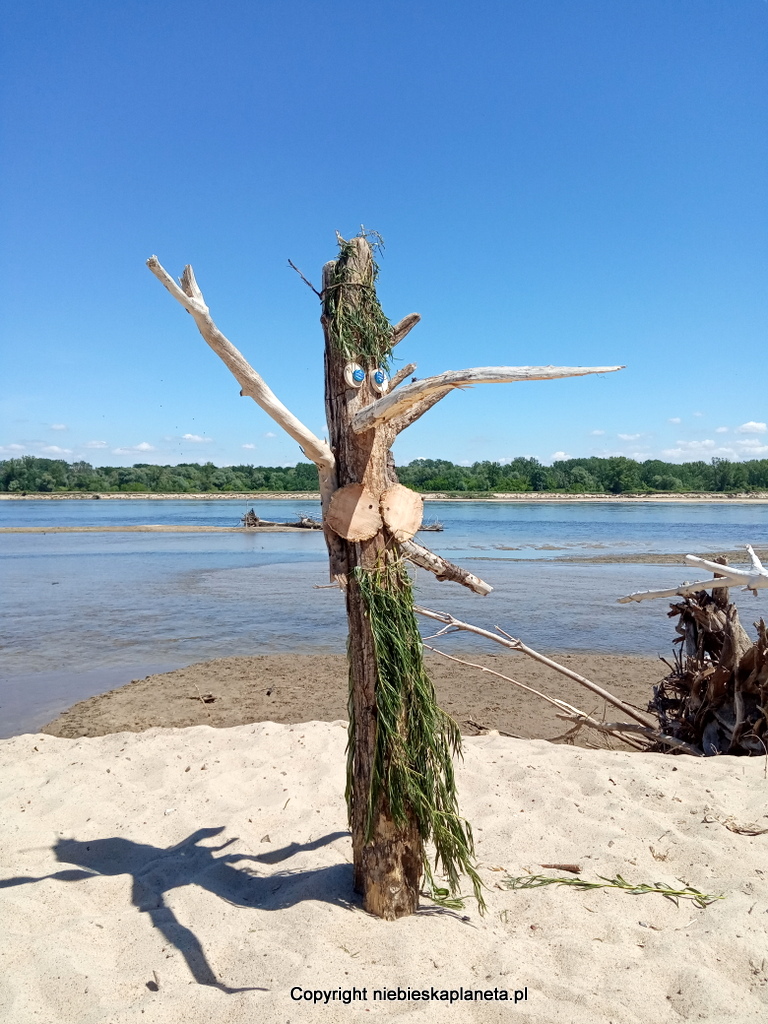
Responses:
[450,624]
[191,298]
[398,402]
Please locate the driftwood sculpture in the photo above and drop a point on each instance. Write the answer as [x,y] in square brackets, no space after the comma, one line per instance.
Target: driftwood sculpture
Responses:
[400,786]
[715,698]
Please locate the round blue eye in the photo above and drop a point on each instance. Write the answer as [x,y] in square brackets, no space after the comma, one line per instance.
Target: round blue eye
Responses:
[379,377]
[358,376]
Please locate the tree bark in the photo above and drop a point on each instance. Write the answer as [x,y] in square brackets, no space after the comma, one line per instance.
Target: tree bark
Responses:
[387,856]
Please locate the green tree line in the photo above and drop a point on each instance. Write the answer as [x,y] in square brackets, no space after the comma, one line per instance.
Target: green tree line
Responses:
[618,475]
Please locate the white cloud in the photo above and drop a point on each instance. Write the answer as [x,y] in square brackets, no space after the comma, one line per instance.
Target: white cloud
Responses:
[721,430]
[698,414]
[247,445]
[674,419]
[196,438]
[12,448]
[144,446]
[559,456]
[95,444]
[58,426]
[53,449]
[270,434]
[752,428]
[628,437]
[752,447]
[596,433]
[698,448]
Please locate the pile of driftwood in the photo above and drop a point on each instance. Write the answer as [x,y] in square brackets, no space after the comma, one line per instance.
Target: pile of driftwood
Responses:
[715,697]
[251,521]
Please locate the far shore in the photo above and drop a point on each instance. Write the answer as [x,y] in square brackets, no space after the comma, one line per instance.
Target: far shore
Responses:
[758,497]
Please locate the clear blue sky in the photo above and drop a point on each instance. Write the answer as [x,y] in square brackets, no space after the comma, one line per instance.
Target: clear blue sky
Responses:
[575,182]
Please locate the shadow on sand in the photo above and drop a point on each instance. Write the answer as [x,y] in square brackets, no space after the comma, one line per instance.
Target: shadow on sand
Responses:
[157,871]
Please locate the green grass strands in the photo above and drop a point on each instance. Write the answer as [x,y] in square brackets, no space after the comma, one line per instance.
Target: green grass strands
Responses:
[416,741]
[359,329]
[700,899]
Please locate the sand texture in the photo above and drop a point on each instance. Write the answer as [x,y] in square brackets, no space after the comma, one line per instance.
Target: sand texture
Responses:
[295,688]
[196,875]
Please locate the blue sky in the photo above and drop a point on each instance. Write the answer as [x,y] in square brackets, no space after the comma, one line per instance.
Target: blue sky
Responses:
[574,182]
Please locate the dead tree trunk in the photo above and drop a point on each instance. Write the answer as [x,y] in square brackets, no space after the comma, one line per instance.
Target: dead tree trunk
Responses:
[388,856]
[400,784]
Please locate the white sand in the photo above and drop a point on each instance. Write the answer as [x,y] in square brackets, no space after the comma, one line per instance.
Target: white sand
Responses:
[81,950]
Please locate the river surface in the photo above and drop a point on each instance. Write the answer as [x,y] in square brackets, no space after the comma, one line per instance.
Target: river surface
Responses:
[85,612]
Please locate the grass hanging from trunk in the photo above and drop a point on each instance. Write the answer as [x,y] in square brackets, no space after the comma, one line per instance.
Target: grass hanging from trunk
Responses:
[415,740]
[359,328]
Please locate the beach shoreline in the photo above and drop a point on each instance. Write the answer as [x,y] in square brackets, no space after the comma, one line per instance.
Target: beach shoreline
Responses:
[759,497]
[293,688]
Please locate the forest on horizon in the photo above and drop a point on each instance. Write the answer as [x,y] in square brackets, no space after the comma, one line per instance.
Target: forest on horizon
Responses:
[615,475]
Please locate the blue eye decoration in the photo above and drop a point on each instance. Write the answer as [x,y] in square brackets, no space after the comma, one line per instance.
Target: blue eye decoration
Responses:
[354,375]
[379,381]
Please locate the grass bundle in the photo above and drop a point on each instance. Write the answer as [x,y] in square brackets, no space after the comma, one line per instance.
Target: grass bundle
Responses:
[357,328]
[700,899]
[415,741]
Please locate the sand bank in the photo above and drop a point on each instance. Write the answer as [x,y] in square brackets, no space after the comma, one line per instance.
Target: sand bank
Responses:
[164,528]
[297,688]
[198,875]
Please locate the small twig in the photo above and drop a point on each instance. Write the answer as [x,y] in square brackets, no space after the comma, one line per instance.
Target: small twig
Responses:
[400,376]
[306,282]
[688,893]
[487,728]
[571,713]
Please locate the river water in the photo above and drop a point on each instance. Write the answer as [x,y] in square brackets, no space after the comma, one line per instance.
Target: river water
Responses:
[83,613]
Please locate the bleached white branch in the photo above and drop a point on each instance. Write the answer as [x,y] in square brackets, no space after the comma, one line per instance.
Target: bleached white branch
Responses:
[512,643]
[442,568]
[727,576]
[398,402]
[252,385]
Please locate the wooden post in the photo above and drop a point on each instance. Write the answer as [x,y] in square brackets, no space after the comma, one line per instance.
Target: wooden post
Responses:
[400,793]
[388,861]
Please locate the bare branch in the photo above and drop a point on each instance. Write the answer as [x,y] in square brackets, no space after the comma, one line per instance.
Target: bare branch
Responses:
[400,330]
[394,404]
[415,412]
[517,645]
[443,569]
[401,375]
[191,298]
[309,284]
[569,712]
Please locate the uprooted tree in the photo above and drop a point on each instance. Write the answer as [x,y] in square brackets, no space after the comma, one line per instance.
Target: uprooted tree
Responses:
[715,698]
[401,790]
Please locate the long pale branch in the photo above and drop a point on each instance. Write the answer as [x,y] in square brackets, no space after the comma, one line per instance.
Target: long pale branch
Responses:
[517,645]
[443,569]
[398,402]
[253,385]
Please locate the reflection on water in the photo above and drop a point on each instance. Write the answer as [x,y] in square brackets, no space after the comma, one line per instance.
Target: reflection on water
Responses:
[85,612]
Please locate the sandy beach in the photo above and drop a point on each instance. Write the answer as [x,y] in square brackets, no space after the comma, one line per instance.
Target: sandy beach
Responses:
[182,876]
